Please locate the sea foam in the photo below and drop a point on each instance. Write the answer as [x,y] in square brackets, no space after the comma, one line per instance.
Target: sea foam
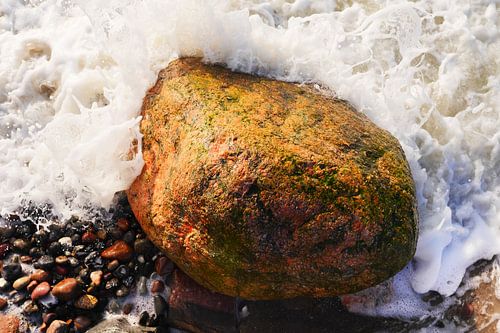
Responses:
[73,74]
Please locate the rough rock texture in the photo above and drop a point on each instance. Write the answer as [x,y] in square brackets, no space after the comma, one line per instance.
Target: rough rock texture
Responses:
[265,189]
[9,324]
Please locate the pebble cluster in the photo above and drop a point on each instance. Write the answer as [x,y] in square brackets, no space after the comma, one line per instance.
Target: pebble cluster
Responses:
[66,276]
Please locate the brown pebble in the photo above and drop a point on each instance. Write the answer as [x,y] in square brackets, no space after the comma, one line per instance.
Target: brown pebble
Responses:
[66,290]
[26,259]
[31,286]
[40,275]
[21,283]
[58,326]
[157,286]
[123,224]
[86,302]
[40,291]
[61,270]
[113,264]
[81,324]
[3,303]
[120,250]
[163,266]
[127,308]
[102,234]
[48,317]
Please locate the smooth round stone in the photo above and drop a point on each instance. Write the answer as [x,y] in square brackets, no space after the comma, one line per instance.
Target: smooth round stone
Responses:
[141,285]
[4,284]
[67,289]
[30,307]
[21,283]
[40,290]
[40,275]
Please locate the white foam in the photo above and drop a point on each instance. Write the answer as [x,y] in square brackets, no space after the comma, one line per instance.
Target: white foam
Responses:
[72,76]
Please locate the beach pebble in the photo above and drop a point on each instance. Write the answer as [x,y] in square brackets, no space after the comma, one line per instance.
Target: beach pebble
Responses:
[45,262]
[82,323]
[67,289]
[58,326]
[96,278]
[12,271]
[160,305]
[120,250]
[40,275]
[40,291]
[9,324]
[157,286]
[21,283]
[86,302]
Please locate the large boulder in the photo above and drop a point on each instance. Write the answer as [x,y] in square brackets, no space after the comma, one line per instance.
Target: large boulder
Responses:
[265,189]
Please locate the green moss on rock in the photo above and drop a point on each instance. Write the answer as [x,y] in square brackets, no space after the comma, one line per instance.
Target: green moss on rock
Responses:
[265,189]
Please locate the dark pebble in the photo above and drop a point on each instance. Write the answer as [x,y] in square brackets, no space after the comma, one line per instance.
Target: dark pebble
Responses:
[36,252]
[26,229]
[3,303]
[128,281]
[116,233]
[45,262]
[153,321]
[111,284]
[6,232]
[55,248]
[143,246]
[144,318]
[76,238]
[4,248]
[82,323]
[129,237]
[11,271]
[121,271]
[160,305]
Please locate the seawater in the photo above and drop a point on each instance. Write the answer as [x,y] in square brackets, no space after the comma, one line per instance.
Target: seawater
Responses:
[73,74]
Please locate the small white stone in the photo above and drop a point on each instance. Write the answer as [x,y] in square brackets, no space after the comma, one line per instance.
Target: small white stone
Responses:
[66,242]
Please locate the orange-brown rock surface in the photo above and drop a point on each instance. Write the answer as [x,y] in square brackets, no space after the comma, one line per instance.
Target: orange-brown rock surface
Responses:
[265,189]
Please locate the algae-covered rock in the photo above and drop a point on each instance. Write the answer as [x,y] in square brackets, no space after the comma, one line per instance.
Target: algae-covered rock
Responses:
[265,189]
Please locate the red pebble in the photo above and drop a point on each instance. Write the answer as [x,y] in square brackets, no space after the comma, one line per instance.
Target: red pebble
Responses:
[120,250]
[88,237]
[123,225]
[41,290]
